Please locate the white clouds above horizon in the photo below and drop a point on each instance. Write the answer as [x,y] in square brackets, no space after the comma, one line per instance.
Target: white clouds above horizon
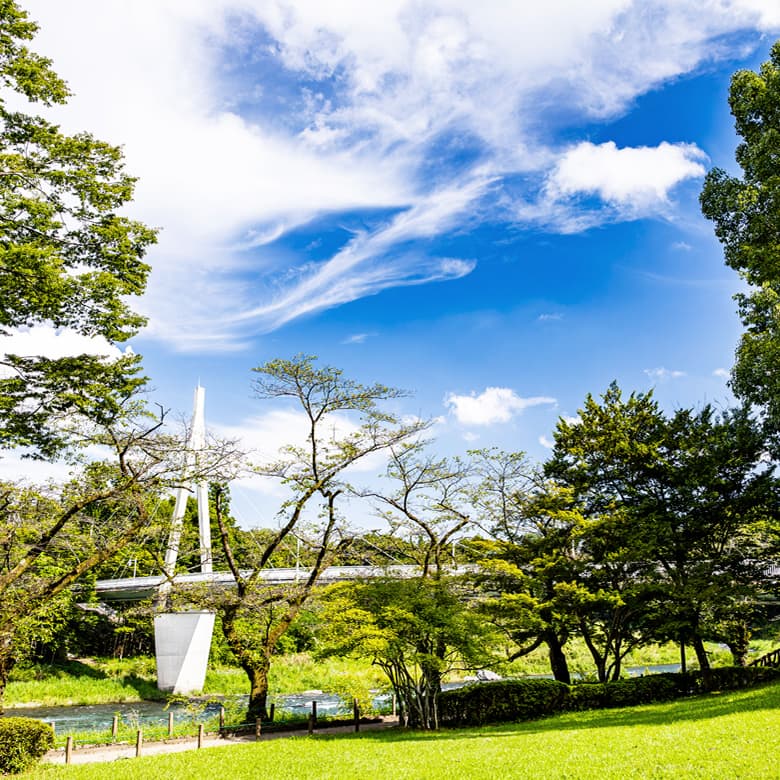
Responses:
[492,405]
[49,342]
[662,374]
[247,119]
[635,180]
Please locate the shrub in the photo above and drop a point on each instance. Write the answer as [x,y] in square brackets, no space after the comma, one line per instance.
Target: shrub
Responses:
[627,693]
[731,678]
[502,700]
[22,743]
[524,699]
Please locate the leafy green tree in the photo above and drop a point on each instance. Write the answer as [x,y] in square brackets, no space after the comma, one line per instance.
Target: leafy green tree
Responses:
[746,213]
[67,257]
[415,631]
[255,616]
[52,536]
[430,502]
[683,504]
[527,572]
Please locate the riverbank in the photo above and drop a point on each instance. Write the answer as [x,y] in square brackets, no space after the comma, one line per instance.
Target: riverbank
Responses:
[90,754]
[88,681]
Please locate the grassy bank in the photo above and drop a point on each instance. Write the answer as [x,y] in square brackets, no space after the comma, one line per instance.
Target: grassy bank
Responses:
[106,681]
[733,735]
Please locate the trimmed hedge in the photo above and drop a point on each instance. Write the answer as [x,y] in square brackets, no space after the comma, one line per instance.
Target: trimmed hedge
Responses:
[525,699]
[501,700]
[627,693]
[23,741]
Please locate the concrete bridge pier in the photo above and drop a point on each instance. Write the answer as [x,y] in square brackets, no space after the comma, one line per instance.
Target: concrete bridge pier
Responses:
[182,642]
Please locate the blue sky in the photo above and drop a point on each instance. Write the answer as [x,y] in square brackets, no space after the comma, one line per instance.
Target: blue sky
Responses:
[491,205]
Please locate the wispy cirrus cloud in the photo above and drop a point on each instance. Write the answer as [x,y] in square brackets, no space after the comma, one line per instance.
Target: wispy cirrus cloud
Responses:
[248,119]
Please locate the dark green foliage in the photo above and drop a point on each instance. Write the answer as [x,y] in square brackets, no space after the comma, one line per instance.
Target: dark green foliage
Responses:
[69,257]
[23,741]
[731,678]
[502,700]
[526,699]
[627,693]
[746,213]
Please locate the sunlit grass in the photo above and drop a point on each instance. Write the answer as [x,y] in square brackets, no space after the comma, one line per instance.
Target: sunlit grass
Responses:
[108,681]
[735,735]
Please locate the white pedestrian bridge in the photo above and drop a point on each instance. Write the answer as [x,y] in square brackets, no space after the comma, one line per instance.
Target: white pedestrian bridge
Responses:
[138,588]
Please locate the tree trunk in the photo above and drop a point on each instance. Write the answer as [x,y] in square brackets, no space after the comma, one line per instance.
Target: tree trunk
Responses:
[558,663]
[258,690]
[701,653]
[6,664]
[599,659]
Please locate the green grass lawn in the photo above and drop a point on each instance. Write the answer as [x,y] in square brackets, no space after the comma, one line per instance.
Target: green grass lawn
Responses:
[735,735]
[106,681]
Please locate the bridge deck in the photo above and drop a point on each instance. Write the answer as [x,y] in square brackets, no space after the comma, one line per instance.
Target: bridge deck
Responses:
[137,588]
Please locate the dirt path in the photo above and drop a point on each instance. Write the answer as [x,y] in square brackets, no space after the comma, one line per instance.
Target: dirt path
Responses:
[93,753]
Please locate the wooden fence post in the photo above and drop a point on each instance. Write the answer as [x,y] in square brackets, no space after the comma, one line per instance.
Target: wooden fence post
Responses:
[272,712]
[222,717]
[356,713]
[311,724]
[114,726]
[314,712]
[170,724]
[68,749]
[139,742]
[200,735]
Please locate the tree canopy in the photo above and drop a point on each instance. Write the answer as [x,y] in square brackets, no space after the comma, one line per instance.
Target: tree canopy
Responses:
[746,213]
[68,257]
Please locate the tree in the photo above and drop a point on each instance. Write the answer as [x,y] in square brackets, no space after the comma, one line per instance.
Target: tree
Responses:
[51,536]
[746,213]
[682,504]
[431,500]
[526,569]
[67,258]
[408,628]
[255,616]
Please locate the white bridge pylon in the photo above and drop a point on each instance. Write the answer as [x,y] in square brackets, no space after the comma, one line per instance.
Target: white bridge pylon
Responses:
[182,639]
[195,446]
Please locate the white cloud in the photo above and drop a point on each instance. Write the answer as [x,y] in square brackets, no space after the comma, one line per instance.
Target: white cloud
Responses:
[723,373]
[245,119]
[546,443]
[355,338]
[663,374]
[49,342]
[549,317]
[632,179]
[492,405]
[682,246]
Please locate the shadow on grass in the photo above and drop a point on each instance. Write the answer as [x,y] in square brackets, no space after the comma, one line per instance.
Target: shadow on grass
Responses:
[144,688]
[38,672]
[706,707]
